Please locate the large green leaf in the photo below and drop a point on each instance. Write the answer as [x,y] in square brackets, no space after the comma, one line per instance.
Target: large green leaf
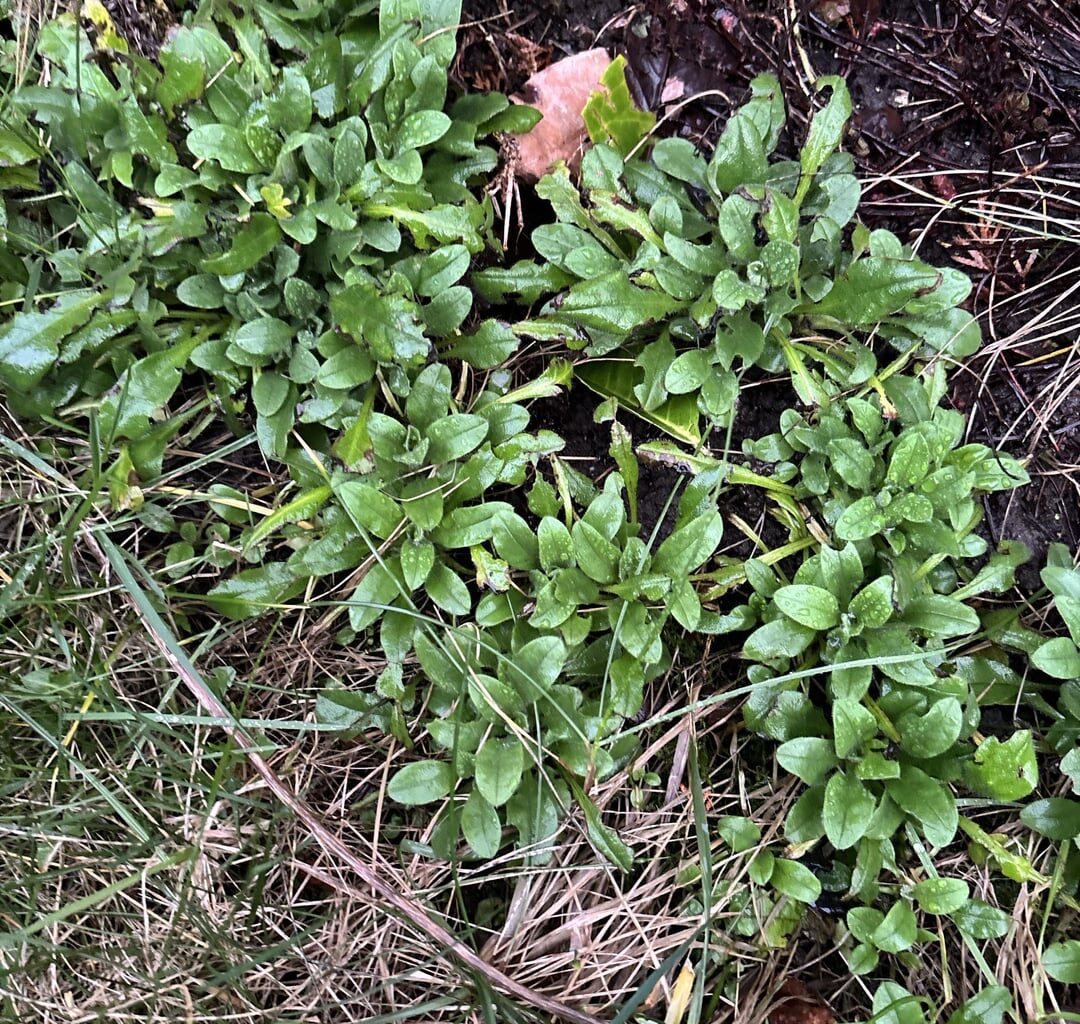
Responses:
[1062,961]
[847,811]
[499,765]
[480,825]
[808,605]
[255,591]
[611,115]
[421,782]
[873,288]
[689,546]
[386,324]
[610,303]
[1006,771]
[252,242]
[29,342]
[941,895]
[678,417]
[226,145]
[826,129]
[1055,817]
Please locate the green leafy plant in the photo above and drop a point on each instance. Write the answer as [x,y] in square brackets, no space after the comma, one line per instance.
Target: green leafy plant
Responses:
[1060,657]
[674,273]
[281,228]
[284,242]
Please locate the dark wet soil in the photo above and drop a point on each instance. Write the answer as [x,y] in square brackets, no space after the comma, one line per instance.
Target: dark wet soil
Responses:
[951,99]
[570,415]
[145,24]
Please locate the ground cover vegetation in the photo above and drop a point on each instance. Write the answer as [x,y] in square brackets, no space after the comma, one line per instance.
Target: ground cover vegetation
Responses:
[274,242]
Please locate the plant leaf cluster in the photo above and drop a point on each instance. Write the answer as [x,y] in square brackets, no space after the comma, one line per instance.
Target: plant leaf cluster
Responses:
[676,273]
[282,226]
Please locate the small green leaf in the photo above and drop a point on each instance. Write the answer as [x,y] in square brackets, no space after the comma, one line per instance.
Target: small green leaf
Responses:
[688,371]
[251,243]
[595,555]
[29,342]
[803,823]
[847,811]
[202,291]
[810,758]
[421,129]
[301,507]
[536,666]
[421,782]
[739,157]
[860,520]
[386,324]
[1055,817]
[369,508]
[941,616]
[515,541]
[730,292]
[1070,766]
[226,145]
[941,895]
[894,1004]
[680,159]
[826,127]
[454,437]
[1059,658]
[289,107]
[862,959]
[1006,771]
[447,590]
[556,547]
[853,725]
[781,638]
[988,1007]
[852,462]
[690,545]
[417,561]
[935,732]
[910,460]
[255,591]
[612,116]
[795,880]
[810,606]
[480,826]
[267,337]
[499,765]
[928,801]
[897,931]
[872,606]
[603,838]
[981,921]
[610,303]
[1062,961]
[739,833]
[874,288]
[346,369]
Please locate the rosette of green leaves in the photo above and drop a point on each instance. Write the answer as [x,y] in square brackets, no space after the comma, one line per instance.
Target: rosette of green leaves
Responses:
[546,663]
[684,270]
[289,218]
[878,611]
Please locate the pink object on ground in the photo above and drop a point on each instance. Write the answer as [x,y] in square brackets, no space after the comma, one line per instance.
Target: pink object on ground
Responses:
[560,92]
